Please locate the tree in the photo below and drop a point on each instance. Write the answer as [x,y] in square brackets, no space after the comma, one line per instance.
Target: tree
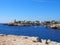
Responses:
[37,21]
[54,22]
[28,22]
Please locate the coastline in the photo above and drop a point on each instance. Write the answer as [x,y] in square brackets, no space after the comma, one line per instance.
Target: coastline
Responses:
[53,26]
[19,24]
[24,40]
[23,23]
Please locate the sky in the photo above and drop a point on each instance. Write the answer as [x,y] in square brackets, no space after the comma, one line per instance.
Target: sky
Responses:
[29,10]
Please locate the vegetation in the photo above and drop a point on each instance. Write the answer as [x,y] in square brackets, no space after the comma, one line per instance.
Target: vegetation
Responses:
[51,22]
[24,23]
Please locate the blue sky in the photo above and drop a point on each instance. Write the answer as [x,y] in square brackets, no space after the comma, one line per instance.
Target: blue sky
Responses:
[29,10]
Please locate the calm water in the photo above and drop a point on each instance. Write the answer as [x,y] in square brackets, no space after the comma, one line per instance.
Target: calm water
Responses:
[40,31]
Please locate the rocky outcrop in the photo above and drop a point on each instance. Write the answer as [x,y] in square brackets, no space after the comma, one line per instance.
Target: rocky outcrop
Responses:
[23,40]
[53,26]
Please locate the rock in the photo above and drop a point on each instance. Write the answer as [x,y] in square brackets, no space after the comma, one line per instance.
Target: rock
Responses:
[23,40]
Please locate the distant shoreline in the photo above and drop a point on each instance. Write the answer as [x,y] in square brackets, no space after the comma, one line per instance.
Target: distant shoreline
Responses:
[49,24]
[53,26]
[23,23]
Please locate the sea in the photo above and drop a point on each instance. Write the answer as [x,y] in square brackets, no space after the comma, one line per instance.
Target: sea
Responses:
[37,31]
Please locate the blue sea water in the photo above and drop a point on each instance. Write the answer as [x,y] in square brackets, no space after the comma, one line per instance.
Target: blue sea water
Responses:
[39,31]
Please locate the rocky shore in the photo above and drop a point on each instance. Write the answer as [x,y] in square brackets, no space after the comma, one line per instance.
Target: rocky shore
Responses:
[24,40]
[23,23]
[53,26]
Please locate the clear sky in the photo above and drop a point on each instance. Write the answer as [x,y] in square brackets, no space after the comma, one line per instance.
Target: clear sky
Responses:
[29,10]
